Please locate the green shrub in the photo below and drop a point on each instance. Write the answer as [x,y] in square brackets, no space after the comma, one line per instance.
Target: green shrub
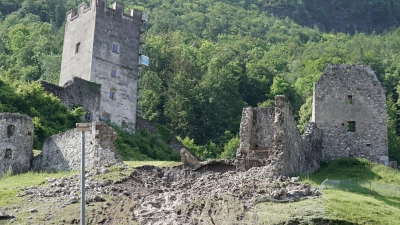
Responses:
[230,148]
[143,146]
[204,152]
[48,115]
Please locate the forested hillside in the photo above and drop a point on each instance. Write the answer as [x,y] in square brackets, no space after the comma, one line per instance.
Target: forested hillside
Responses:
[211,58]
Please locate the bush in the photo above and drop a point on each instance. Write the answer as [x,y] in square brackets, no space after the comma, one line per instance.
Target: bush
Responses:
[230,148]
[48,115]
[143,146]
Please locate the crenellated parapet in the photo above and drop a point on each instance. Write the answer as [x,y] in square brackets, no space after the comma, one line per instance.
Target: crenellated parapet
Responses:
[100,6]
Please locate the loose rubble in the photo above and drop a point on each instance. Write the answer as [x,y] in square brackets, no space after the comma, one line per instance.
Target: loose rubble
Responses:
[175,195]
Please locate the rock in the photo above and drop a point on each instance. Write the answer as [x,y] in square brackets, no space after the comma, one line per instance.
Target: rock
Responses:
[5,216]
[283,192]
[295,179]
[33,210]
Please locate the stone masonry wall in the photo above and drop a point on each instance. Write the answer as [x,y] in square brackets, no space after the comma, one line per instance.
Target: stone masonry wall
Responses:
[256,137]
[16,142]
[350,107]
[300,153]
[63,151]
[283,149]
[77,92]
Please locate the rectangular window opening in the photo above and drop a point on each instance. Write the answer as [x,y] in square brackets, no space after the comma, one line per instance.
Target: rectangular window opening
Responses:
[113,73]
[351,126]
[112,95]
[77,46]
[115,48]
[350,99]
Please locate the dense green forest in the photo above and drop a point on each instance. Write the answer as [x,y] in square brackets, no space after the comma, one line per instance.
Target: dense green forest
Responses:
[211,58]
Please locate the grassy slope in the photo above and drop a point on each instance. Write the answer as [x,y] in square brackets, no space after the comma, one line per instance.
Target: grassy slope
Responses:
[366,208]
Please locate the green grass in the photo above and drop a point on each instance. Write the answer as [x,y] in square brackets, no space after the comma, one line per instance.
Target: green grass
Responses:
[11,185]
[360,206]
[356,169]
[36,152]
[305,211]
[361,209]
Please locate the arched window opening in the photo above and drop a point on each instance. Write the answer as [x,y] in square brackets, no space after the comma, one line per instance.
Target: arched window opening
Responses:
[8,154]
[89,116]
[10,130]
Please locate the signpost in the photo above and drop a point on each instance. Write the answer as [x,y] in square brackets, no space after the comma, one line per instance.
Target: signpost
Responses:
[83,127]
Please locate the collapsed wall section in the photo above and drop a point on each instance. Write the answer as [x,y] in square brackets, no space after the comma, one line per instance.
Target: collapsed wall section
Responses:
[63,151]
[16,142]
[269,137]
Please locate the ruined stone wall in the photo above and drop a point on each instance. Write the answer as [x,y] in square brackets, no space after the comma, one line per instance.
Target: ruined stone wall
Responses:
[16,142]
[145,124]
[78,92]
[283,149]
[350,107]
[63,151]
[256,137]
[300,153]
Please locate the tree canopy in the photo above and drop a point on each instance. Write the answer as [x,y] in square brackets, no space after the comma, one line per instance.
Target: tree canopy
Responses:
[211,58]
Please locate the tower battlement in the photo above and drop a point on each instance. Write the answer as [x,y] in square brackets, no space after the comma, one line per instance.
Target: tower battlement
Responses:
[100,5]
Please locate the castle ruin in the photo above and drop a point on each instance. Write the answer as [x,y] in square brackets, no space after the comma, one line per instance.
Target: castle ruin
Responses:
[348,120]
[16,138]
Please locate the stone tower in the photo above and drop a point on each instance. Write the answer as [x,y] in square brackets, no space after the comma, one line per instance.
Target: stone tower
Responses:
[101,45]
[16,142]
[349,106]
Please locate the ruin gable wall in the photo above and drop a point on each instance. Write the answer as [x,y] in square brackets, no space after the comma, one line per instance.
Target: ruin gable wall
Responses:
[63,151]
[16,142]
[350,107]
